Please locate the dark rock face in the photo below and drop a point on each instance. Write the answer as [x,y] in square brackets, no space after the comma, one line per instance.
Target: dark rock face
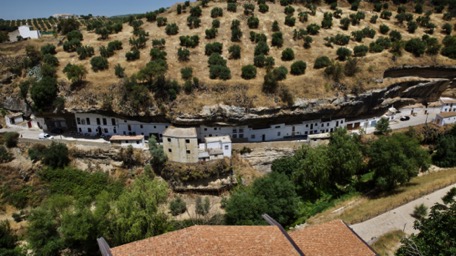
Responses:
[368,104]
[425,72]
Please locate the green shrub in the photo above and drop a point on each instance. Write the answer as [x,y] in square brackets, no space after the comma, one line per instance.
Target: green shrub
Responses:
[360,50]
[341,39]
[177,206]
[280,73]
[343,53]
[415,46]
[213,48]
[261,48]
[249,72]
[259,60]
[277,39]
[5,156]
[253,22]
[172,29]
[50,60]
[99,63]
[183,54]
[384,29]
[219,71]
[231,7]
[186,73]
[288,54]
[75,34]
[313,29]
[263,8]
[132,55]
[56,156]
[290,21]
[298,68]
[36,152]
[48,49]
[215,23]
[216,12]
[11,139]
[322,62]
[235,52]
[85,52]
[71,46]
[119,71]
[211,33]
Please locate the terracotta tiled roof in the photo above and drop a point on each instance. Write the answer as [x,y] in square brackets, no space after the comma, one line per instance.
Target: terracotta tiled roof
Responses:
[333,238]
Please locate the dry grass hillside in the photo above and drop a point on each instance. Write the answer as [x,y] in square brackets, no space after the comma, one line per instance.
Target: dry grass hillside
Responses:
[238,91]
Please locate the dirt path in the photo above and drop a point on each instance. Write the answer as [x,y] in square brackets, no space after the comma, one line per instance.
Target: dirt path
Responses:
[398,218]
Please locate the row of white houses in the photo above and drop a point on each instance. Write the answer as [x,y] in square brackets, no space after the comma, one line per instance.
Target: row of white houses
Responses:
[91,124]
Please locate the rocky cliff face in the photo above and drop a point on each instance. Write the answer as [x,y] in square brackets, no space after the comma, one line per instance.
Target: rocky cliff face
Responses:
[349,106]
[427,84]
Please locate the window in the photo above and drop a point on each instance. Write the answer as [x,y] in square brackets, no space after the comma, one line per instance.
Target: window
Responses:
[278,126]
[78,120]
[188,151]
[227,147]
[155,127]
[141,126]
[241,130]
[105,122]
[129,127]
[88,121]
[278,134]
[307,125]
[215,128]
[210,135]
[115,131]
[205,129]
[125,121]
[137,142]
[106,130]
[234,130]
[252,136]
[98,121]
[234,136]
[113,121]
[169,139]
[166,126]
[241,136]
[82,121]
[169,150]
[89,129]
[327,124]
[187,141]
[80,130]
[124,133]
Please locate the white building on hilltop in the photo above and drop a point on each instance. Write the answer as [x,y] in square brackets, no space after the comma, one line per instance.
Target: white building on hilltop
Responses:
[23,32]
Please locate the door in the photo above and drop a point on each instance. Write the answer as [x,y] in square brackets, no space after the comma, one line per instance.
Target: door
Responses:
[264,137]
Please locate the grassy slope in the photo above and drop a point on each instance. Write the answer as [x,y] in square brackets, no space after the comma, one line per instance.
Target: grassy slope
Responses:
[238,91]
[360,208]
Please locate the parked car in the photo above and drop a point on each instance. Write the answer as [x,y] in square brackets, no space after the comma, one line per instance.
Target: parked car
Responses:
[405,118]
[45,136]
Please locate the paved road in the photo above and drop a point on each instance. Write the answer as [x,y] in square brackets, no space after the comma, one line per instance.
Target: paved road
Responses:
[398,218]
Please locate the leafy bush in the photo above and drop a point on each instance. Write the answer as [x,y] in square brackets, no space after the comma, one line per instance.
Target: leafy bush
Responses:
[386,15]
[5,156]
[36,152]
[288,54]
[231,7]
[219,71]
[99,63]
[132,55]
[263,8]
[50,60]
[449,49]
[157,54]
[249,8]
[177,206]
[343,53]
[307,42]
[298,68]
[75,34]
[275,26]
[249,72]
[327,20]
[215,23]
[71,46]
[162,21]
[213,48]
[216,59]
[186,73]
[261,48]
[189,41]
[235,52]
[277,39]
[280,73]
[322,62]
[289,10]
[119,71]
[48,49]
[253,22]
[313,29]
[216,12]
[56,156]
[172,29]
[211,33]
[360,50]
[290,21]
[114,46]
[183,54]
[341,39]
[415,46]
[85,52]
[384,29]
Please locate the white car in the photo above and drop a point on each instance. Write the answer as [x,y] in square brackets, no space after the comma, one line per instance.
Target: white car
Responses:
[44,136]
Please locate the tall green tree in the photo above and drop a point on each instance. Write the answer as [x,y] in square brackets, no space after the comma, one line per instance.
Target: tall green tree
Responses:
[346,156]
[437,232]
[137,214]
[44,92]
[382,126]
[75,73]
[395,160]
[273,194]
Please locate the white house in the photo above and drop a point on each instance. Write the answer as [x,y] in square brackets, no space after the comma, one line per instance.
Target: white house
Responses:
[445,118]
[24,32]
[125,141]
[14,119]
[215,148]
[97,124]
[448,104]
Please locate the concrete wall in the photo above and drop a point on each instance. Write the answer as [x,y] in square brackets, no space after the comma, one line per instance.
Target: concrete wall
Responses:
[183,150]
[444,121]
[135,144]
